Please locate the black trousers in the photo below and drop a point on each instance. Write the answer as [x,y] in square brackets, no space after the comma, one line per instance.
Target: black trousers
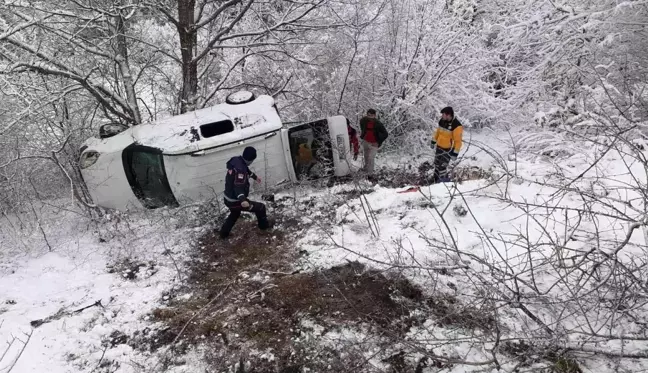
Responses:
[441,162]
[236,209]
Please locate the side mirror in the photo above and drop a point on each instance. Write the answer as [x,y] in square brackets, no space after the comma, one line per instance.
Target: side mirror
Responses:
[111,129]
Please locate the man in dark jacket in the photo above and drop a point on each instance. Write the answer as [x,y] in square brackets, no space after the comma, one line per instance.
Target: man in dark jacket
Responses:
[237,188]
[373,134]
[447,140]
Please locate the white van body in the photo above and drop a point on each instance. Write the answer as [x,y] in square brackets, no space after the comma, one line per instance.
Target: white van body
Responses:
[182,159]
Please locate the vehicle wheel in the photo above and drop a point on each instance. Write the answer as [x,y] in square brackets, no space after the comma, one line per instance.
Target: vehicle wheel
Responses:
[240,97]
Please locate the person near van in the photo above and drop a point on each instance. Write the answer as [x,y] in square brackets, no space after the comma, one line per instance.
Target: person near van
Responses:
[237,188]
[447,140]
[373,134]
[353,140]
[303,160]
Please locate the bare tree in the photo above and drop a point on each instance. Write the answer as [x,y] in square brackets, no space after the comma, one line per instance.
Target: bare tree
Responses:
[207,29]
[85,44]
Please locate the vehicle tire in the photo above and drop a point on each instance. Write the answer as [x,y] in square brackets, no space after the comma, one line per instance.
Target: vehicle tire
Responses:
[240,97]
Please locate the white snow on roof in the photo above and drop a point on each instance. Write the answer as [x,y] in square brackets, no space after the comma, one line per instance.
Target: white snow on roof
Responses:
[173,135]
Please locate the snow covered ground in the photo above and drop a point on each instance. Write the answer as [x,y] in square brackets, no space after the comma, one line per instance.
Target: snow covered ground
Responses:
[539,218]
[449,239]
[38,283]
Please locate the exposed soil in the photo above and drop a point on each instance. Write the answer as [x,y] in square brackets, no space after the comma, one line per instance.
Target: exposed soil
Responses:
[246,297]
[130,269]
[557,360]
[448,311]
[467,173]
[345,293]
[424,175]
[355,193]
[243,294]
[405,176]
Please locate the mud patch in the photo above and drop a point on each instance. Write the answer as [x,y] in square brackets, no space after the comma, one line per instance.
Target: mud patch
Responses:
[405,176]
[131,269]
[449,312]
[351,292]
[424,175]
[554,358]
[115,338]
[243,298]
[467,173]
[355,193]
[254,298]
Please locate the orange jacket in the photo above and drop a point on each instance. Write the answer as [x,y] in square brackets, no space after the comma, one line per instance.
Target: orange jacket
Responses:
[305,154]
[448,136]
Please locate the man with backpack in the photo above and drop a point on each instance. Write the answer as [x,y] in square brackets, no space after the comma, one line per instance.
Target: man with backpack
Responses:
[447,140]
[237,188]
[373,134]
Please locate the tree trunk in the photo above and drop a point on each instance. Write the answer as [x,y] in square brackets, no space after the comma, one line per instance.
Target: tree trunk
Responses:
[124,69]
[188,41]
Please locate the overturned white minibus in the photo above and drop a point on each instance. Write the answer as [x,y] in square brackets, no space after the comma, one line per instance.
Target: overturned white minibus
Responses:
[182,159]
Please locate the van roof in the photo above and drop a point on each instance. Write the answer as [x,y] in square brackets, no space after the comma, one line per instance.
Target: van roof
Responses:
[177,134]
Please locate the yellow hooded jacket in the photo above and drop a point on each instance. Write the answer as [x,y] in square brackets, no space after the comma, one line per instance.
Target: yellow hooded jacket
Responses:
[448,136]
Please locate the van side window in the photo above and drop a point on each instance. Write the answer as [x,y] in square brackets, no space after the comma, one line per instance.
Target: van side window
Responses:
[217,128]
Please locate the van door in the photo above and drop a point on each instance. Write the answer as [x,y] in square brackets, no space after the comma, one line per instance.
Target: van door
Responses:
[311,152]
[145,172]
[341,147]
[320,148]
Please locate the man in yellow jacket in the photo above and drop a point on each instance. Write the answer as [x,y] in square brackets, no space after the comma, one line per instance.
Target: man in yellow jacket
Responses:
[447,140]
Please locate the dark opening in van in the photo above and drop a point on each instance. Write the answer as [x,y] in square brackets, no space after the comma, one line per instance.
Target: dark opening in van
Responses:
[310,147]
[217,128]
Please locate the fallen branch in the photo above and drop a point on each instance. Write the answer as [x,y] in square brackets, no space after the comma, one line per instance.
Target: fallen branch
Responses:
[279,272]
[62,313]
[191,319]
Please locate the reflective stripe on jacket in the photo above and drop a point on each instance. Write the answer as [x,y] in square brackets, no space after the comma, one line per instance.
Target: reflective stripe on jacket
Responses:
[449,135]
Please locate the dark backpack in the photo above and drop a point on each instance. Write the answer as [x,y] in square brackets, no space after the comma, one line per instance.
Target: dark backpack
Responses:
[381,135]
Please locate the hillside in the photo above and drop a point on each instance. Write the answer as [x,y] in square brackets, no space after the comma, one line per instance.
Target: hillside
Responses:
[522,266]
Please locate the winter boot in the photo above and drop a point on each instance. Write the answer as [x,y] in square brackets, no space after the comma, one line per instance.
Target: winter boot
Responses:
[223,235]
[266,224]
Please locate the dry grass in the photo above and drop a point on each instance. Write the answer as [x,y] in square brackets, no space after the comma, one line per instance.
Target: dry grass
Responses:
[345,293]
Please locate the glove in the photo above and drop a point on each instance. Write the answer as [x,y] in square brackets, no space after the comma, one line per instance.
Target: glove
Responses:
[355,156]
[245,204]
[453,155]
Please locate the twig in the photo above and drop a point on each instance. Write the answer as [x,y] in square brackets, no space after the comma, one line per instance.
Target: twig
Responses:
[95,304]
[280,273]
[61,313]
[13,364]
[170,255]
[191,319]
[100,359]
